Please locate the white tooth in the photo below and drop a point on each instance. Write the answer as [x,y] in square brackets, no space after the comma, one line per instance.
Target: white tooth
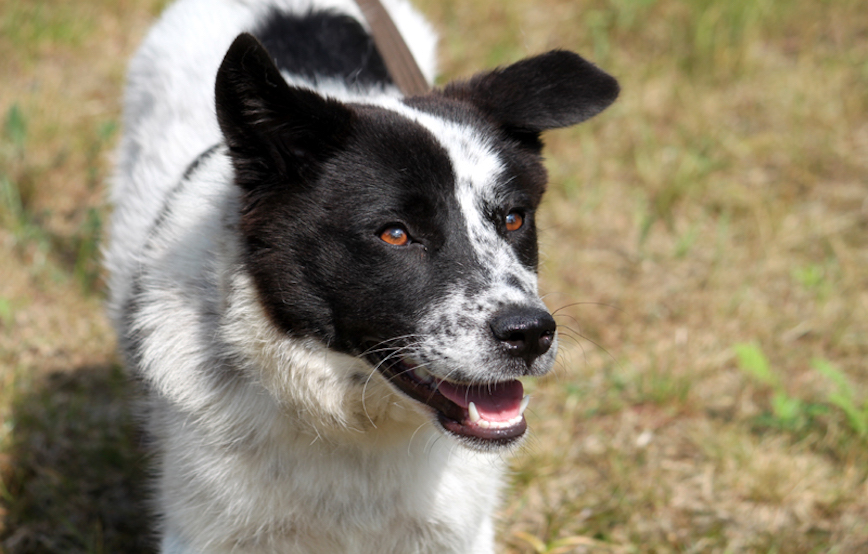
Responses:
[524,402]
[474,413]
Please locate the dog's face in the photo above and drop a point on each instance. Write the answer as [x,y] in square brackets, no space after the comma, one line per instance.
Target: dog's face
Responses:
[404,232]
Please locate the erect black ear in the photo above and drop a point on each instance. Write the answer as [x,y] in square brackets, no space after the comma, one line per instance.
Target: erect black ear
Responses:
[552,90]
[273,129]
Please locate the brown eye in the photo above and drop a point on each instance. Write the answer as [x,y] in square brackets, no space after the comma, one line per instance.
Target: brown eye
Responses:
[395,235]
[514,221]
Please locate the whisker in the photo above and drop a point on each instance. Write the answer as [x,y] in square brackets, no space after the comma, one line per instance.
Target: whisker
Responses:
[392,352]
[588,303]
[568,335]
[382,345]
[413,436]
[595,343]
[568,316]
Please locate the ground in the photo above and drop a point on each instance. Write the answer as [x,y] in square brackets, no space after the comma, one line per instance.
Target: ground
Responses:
[704,246]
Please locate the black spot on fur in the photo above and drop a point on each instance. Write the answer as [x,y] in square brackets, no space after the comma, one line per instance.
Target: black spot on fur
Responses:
[464,322]
[323,44]
[513,281]
[358,379]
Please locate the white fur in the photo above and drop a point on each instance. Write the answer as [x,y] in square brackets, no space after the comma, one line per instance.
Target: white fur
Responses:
[263,447]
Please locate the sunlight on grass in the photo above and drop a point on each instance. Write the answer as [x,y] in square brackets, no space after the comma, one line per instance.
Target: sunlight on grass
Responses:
[703,243]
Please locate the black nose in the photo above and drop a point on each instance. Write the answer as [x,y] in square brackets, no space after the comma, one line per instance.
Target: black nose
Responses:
[526,332]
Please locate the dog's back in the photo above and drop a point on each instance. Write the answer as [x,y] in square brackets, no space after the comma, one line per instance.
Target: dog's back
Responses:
[327,290]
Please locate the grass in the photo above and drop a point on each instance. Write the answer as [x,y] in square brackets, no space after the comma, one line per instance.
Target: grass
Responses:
[705,245]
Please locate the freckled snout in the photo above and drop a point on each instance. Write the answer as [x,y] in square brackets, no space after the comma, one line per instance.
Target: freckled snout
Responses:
[526,332]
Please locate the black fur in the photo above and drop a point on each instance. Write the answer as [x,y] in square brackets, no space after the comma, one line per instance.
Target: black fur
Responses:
[322,179]
[275,133]
[552,90]
[323,44]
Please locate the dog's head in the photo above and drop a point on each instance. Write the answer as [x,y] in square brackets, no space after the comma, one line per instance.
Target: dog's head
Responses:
[403,231]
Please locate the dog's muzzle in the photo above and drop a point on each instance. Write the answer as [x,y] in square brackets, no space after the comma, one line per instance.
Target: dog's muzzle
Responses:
[486,413]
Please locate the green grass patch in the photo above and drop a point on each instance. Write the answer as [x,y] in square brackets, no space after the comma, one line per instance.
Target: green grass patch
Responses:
[791,413]
[843,397]
[76,253]
[36,24]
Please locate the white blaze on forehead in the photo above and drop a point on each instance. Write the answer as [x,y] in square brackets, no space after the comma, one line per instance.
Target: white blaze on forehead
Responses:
[478,168]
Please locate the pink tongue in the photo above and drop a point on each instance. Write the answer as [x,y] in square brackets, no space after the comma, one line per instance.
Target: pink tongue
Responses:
[500,402]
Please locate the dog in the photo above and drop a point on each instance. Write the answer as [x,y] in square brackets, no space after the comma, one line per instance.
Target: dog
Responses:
[329,290]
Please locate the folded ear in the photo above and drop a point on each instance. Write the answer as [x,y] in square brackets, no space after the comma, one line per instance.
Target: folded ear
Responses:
[555,89]
[273,129]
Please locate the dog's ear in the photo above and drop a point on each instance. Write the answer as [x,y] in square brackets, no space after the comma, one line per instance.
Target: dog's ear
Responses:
[552,90]
[273,129]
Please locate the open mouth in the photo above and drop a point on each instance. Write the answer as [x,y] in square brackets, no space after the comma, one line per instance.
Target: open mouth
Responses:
[490,414]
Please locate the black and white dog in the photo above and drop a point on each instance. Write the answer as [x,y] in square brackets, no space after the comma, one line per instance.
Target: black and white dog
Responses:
[329,290]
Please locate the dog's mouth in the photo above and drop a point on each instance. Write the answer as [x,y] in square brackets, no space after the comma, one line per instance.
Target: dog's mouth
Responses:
[485,415]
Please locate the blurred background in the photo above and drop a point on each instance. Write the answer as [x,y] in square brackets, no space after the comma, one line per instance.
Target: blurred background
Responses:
[704,245]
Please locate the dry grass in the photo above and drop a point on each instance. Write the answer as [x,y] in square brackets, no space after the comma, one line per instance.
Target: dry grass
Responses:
[705,244]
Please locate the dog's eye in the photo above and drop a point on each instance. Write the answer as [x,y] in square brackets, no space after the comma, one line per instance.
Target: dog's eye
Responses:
[514,221]
[395,235]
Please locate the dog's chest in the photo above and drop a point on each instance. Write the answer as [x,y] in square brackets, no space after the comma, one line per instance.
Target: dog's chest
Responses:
[326,498]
